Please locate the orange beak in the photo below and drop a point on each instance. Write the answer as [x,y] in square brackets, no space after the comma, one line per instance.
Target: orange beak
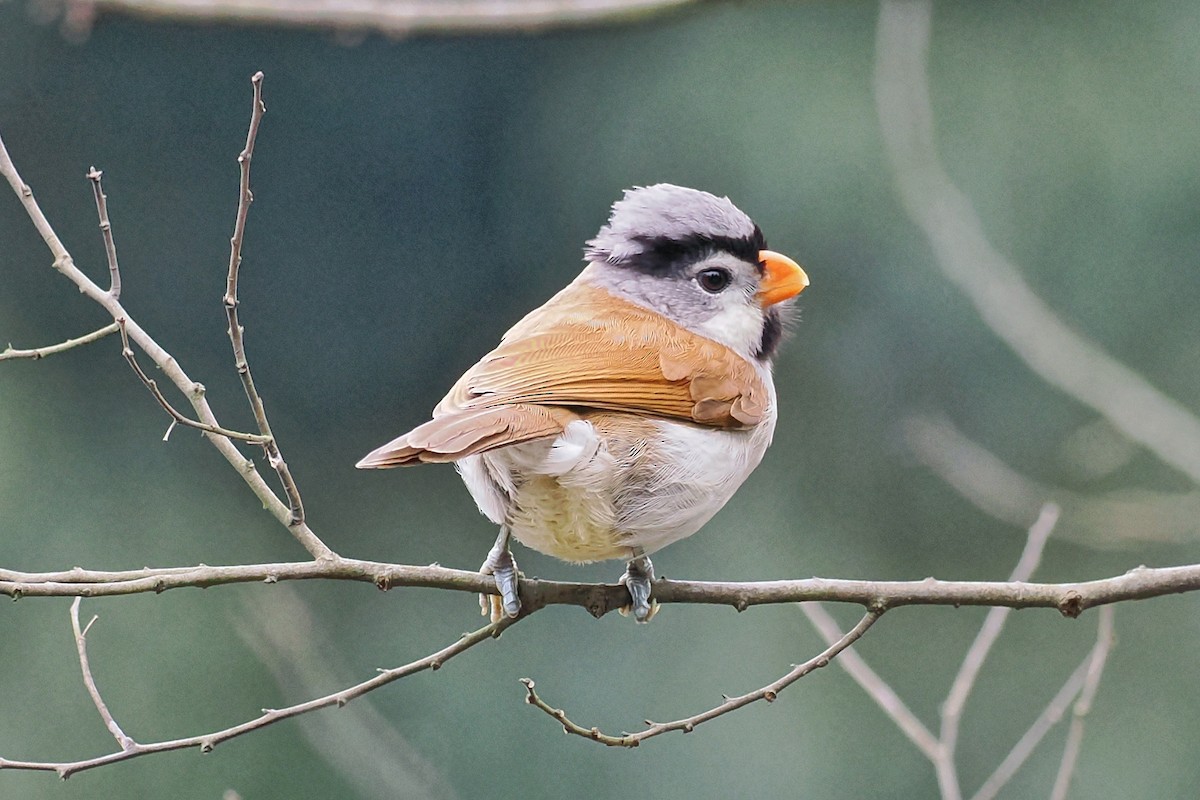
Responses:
[782,278]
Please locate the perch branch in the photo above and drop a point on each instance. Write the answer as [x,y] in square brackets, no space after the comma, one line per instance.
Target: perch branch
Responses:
[688,724]
[1069,599]
[152,385]
[41,352]
[230,300]
[206,742]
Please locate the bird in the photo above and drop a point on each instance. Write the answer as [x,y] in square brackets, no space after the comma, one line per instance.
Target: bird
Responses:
[622,414]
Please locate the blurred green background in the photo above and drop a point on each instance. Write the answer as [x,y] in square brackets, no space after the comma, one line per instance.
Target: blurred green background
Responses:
[413,199]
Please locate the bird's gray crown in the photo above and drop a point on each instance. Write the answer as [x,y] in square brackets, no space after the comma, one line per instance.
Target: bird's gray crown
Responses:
[649,216]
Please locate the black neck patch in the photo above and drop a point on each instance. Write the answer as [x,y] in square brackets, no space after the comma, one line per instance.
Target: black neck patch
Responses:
[772,335]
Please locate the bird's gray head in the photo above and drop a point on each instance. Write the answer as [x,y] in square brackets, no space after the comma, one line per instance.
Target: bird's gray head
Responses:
[652,226]
[693,257]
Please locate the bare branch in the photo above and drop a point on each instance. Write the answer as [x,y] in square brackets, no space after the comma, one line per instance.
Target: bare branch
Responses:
[1069,599]
[110,246]
[41,352]
[688,724]
[123,741]
[1091,683]
[152,385]
[1051,714]
[245,198]
[875,687]
[1005,302]
[65,264]
[389,17]
[206,742]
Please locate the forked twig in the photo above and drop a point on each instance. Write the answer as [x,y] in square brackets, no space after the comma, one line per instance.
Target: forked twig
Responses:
[41,352]
[688,724]
[230,300]
[1091,683]
[182,419]
[1053,712]
[110,246]
[972,663]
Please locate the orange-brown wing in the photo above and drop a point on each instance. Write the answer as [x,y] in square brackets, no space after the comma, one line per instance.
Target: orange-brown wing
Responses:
[588,349]
[584,349]
[454,436]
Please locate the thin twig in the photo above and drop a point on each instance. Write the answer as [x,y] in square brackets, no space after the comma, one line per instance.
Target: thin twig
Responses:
[206,742]
[110,246]
[152,385]
[688,724]
[245,198]
[972,663]
[1051,714]
[65,264]
[875,687]
[41,352]
[1091,683]
[123,741]
[1007,305]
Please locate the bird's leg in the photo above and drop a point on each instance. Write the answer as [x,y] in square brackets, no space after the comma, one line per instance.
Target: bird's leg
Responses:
[639,574]
[501,565]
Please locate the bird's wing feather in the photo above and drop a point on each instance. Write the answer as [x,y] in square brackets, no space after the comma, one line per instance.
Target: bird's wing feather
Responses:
[583,350]
[588,349]
[455,436]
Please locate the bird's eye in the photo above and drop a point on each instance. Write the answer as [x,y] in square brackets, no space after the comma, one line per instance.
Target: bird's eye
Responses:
[714,280]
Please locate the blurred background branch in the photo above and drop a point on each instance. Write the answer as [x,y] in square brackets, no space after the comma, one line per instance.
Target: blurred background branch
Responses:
[1112,519]
[1005,302]
[394,18]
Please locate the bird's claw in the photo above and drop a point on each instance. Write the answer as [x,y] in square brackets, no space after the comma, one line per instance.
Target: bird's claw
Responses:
[637,581]
[503,568]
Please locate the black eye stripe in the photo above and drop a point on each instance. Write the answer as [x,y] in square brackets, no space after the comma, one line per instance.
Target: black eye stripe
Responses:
[664,256]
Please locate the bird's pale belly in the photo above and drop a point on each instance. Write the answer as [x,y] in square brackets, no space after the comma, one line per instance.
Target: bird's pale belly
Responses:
[573,523]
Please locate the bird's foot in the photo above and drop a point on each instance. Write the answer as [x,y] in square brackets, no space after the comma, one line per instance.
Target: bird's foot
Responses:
[639,574]
[501,565]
